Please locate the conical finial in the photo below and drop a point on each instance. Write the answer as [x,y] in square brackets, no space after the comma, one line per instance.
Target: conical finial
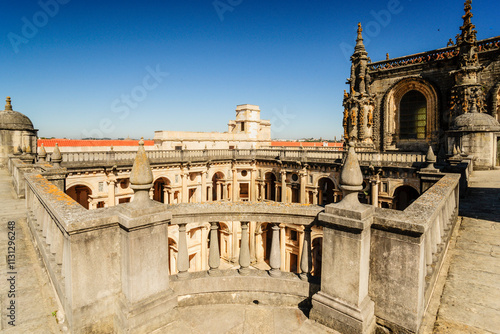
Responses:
[455,151]
[431,157]
[56,157]
[141,177]
[351,172]
[42,154]
[351,178]
[8,105]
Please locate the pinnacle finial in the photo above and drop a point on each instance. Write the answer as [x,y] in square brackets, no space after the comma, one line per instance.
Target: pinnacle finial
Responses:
[351,178]
[56,157]
[360,47]
[8,105]
[141,177]
[468,32]
[430,157]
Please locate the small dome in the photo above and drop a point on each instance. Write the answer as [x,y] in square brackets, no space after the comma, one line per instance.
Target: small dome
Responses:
[13,120]
[475,122]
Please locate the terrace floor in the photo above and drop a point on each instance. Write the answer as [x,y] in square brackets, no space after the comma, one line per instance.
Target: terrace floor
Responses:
[467,296]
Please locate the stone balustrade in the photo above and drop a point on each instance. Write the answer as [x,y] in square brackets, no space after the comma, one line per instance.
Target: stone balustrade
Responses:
[108,263]
[75,159]
[407,250]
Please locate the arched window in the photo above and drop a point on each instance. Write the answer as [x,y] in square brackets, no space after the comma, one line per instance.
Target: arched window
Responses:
[413,116]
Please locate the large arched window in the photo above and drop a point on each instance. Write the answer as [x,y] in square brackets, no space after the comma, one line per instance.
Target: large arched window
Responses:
[413,116]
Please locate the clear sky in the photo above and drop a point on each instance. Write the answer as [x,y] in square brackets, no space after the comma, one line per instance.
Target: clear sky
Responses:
[123,68]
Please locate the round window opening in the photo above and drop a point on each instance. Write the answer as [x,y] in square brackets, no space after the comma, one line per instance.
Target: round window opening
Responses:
[295,177]
[244,173]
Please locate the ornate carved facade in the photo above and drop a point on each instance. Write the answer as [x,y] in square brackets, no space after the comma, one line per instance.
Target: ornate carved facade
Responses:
[411,102]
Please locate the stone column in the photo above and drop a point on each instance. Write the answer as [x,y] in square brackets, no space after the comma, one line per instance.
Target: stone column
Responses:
[261,191]
[303,181]
[210,193]
[274,258]
[253,257]
[235,185]
[214,256]
[165,195]
[225,194]
[111,193]
[204,247]
[253,186]
[276,192]
[343,302]
[315,196]
[171,197]
[244,258]
[184,193]
[218,190]
[374,191]
[282,246]
[306,256]
[283,186]
[182,256]
[300,232]
[204,186]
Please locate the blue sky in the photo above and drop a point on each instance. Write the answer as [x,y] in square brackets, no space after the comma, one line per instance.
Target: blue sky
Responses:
[128,68]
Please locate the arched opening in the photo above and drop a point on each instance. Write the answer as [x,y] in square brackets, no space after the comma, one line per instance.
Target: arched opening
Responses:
[404,196]
[270,186]
[159,187]
[172,256]
[413,116]
[224,236]
[194,242]
[326,189]
[218,186]
[80,194]
[317,253]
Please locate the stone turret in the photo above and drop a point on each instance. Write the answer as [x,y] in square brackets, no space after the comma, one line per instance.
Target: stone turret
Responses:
[472,129]
[359,103]
[16,130]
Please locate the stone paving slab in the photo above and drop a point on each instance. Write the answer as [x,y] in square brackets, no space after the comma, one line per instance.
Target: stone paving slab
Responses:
[470,300]
[34,298]
[242,319]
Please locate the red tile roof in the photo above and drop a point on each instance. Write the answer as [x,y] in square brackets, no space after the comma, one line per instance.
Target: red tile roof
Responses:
[304,144]
[89,142]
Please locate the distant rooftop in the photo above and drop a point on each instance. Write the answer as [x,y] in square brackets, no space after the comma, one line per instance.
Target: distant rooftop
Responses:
[90,142]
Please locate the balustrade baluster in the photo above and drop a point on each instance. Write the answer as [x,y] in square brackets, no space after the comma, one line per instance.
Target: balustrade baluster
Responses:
[244,258]
[306,257]
[428,252]
[214,256]
[183,257]
[275,257]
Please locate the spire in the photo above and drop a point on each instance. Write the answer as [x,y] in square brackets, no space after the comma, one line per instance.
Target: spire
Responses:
[8,105]
[141,177]
[468,33]
[360,47]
